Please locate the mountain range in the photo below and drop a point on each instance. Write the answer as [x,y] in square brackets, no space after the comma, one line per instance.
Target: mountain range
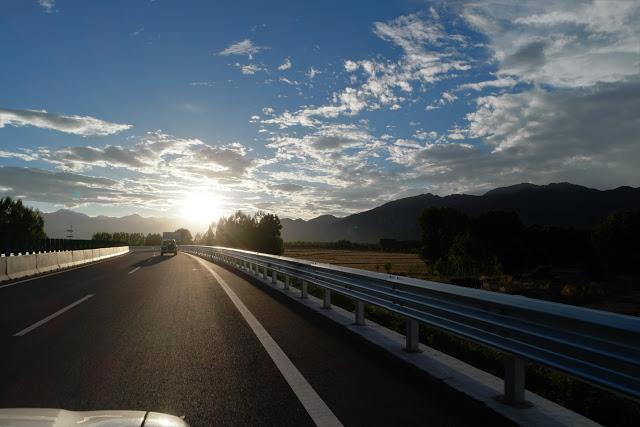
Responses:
[562,204]
[84,226]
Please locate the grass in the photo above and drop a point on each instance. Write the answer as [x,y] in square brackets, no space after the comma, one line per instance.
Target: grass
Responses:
[600,405]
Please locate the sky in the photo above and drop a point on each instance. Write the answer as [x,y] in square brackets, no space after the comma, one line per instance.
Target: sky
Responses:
[304,108]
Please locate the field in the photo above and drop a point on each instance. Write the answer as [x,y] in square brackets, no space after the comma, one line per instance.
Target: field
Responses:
[405,264]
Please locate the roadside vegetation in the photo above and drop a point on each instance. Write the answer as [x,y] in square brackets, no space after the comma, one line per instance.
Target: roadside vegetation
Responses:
[259,232]
[19,223]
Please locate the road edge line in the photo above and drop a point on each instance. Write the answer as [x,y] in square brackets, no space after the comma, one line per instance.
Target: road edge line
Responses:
[317,409]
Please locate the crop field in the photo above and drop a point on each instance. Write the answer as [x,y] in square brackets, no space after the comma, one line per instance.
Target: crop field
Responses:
[405,264]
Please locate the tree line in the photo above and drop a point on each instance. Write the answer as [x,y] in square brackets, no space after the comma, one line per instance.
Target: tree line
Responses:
[495,243]
[19,223]
[259,232]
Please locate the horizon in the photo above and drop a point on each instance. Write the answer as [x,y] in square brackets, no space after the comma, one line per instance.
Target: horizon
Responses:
[166,111]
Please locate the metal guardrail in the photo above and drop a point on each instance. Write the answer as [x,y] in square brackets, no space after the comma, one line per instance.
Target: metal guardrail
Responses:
[599,347]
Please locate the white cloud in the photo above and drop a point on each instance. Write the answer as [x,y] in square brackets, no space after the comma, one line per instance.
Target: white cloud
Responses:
[249,69]
[504,82]
[574,43]
[285,65]
[312,73]
[77,125]
[244,47]
[47,5]
[428,55]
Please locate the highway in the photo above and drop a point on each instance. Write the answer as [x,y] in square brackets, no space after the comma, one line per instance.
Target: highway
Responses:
[145,332]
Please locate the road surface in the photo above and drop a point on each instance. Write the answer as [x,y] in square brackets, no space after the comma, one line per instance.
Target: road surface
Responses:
[161,333]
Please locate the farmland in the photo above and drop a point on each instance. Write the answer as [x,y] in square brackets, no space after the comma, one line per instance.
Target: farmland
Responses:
[406,264]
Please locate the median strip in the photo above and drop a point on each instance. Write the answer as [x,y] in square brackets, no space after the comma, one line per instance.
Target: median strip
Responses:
[53,316]
[317,409]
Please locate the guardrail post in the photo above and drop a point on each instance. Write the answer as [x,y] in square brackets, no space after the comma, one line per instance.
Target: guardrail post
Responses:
[413,340]
[274,277]
[286,283]
[514,376]
[303,289]
[326,302]
[359,313]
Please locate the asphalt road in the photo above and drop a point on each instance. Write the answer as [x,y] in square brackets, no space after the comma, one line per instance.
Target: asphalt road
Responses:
[160,333]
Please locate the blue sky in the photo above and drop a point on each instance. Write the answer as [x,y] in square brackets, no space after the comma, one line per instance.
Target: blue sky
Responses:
[166,107]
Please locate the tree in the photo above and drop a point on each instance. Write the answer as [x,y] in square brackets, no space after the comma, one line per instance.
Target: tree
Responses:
[259,232]
[102,236]
[617,241]
[153,239]
[209,238]
[268,238]
[500,235]
[18,222]
[440,227]
[184,236]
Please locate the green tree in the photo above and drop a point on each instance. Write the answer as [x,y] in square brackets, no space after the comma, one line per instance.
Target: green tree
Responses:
[153,239]
[18,222]
[184,236]
[102,236]
[209,238]
[268,238]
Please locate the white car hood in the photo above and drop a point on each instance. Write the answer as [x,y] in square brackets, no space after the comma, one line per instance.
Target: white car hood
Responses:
[40,417]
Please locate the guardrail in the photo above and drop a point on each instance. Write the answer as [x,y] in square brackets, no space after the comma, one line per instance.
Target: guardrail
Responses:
[18,266]
[599,347]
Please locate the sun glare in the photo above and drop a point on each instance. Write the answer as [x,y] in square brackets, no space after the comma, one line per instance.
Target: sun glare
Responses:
[201,207]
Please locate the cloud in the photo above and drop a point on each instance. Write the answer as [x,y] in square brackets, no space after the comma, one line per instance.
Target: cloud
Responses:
[77,125]
[505,82]
[429,54]
[244,47]
[312,73]
[47,5]
[59,187]
[573,43]
[154,154]
[535,136]
[249,69]
[285,65]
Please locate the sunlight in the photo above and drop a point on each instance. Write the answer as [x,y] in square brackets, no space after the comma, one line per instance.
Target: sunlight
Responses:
[201,207]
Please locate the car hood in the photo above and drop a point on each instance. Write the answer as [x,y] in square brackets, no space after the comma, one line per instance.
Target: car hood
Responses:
[40,417]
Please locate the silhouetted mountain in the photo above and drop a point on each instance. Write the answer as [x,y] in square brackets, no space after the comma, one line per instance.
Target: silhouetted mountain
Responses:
[299,229]
[84,226]
[562,204]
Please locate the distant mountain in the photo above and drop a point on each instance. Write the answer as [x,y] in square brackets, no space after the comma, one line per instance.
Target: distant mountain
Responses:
[84,226]
[560,204]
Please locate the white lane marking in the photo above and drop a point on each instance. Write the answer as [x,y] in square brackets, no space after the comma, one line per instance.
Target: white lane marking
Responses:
[312,402]
[134,270]
[63,270]
[53,316]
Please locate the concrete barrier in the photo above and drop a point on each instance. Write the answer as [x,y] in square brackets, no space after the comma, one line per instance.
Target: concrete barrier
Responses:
[78,257]
[21,266]
[14,267]
[65,259]
[47,262]
[3,269]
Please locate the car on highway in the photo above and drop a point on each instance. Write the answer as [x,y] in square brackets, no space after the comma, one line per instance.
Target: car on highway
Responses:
[45,417]
[169,245]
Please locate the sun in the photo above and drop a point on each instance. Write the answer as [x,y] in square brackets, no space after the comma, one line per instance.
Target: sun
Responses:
[201,207]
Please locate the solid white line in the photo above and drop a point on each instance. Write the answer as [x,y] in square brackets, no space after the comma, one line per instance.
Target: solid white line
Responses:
[53,316]
[134,270]
[312,402]
[64,270]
